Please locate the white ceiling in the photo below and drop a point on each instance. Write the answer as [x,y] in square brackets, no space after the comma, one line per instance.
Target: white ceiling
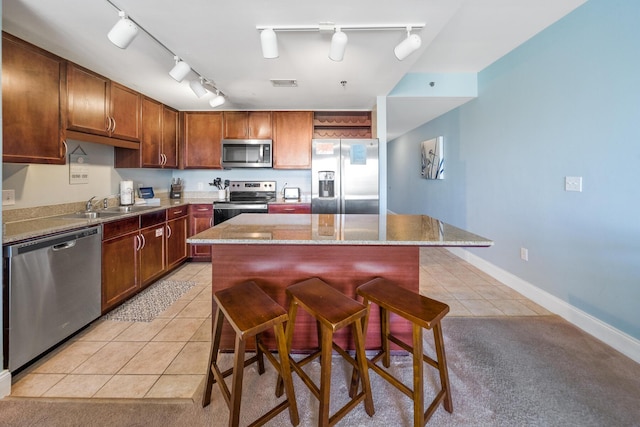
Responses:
[220,41]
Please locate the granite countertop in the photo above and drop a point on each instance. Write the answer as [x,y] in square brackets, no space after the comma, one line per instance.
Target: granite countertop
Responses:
[329,229]
[15,231]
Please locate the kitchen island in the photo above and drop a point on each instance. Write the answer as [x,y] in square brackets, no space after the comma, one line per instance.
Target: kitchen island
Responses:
[278,250]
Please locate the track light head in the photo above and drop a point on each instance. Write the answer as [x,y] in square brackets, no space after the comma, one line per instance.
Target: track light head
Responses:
[407,46]
[338,45]
[217,101]
[180,70]
[198,88]
[123,32]
[269,43]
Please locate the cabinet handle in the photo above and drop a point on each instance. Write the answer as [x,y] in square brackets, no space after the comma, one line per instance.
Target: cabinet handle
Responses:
[177,212]
[168,231]
[137,238]
[163,159]
[113,129]
[144,241]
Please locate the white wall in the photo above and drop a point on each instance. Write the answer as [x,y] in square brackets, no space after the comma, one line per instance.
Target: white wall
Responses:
[563,104]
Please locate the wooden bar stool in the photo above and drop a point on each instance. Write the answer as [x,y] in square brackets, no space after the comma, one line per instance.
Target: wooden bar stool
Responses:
[422,312]
[332,311]
[249,311]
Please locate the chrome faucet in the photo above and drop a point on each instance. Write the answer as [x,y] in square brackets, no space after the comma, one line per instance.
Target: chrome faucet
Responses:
[89,205]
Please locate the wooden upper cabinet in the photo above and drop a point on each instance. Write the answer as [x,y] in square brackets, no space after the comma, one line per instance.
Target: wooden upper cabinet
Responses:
[33,88]
[158,139]
[292,134]
[98,106]
[151,142]
[125,108]
[202,135]
[169,137]
[247,124]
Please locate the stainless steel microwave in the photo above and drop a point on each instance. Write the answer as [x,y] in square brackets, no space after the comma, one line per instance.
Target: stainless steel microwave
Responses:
[247,153]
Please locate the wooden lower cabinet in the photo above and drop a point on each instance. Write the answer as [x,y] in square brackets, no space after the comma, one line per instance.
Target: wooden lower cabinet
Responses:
[177,229]
[120,261]
[200,219]
[153,261]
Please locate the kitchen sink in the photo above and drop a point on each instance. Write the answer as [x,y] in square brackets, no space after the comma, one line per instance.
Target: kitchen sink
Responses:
[90,215]
[127,209]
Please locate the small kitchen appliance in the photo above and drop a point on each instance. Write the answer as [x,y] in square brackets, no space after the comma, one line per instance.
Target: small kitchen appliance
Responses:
[291,193]
[126,193]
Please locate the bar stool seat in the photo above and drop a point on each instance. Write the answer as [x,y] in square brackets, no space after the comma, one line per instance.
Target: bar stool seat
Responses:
[422,312]
[332,311]
[249,311]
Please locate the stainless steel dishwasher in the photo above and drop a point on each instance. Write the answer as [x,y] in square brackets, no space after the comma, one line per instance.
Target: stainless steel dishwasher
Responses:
[52,290]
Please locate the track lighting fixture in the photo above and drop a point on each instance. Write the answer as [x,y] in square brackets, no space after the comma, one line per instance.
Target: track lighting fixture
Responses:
[407,46]
[198,88]
[180,70]
[217,101]
[123,32]
[338,45]
[269,43]
[126,29]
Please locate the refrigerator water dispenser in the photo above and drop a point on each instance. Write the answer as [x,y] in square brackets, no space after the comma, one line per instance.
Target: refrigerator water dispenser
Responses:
[326,180]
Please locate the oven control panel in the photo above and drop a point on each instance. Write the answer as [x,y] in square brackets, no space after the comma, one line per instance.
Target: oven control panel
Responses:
[252,186]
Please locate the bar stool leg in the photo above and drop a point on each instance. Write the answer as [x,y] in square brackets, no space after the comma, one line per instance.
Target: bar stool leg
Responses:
[361,359]
[418,368]
[213,356]
[385,331]
[236,385]
[442,366]
[325,376]
[285,374]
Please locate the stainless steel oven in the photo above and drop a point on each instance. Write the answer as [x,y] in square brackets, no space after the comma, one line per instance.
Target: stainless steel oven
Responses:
[244,197]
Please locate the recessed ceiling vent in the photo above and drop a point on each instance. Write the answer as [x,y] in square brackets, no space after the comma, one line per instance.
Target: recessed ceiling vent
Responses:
[284,83]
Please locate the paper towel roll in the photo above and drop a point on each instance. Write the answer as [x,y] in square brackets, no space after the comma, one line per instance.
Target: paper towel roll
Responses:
[126,193]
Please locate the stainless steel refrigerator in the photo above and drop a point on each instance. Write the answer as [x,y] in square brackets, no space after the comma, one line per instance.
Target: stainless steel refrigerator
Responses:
[344,176]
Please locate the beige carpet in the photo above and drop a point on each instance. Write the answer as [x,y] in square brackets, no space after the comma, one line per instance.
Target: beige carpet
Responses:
[538,371]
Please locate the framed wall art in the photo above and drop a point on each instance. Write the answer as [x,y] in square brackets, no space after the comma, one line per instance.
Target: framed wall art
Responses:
[432,154]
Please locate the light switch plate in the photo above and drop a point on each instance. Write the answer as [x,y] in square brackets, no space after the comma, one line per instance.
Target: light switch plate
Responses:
[573,183]
[8,197]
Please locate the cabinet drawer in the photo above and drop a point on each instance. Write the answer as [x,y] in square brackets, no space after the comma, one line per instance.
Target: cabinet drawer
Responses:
[201,209]
[303,208]
[153,218]
[120,227]
[177,212]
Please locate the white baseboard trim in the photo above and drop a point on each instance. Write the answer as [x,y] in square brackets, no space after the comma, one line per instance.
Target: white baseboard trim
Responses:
[5,383]
[624,343]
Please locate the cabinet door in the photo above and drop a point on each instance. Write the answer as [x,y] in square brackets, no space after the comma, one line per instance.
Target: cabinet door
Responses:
[32,119]
[125,112]
[169,137]
[259,124]
[152,254]
[176,241]
[292,134]
[119,269]
[151,143]
[202,136]
[235,124]
[87,97]
[247,124]
[200,219]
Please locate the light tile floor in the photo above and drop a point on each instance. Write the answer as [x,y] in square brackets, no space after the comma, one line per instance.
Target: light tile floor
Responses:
[167,358]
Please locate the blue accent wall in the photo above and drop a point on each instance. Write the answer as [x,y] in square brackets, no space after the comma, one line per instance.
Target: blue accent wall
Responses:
[565,103]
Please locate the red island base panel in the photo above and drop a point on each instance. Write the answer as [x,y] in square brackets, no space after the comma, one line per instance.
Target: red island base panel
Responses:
[345,267]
